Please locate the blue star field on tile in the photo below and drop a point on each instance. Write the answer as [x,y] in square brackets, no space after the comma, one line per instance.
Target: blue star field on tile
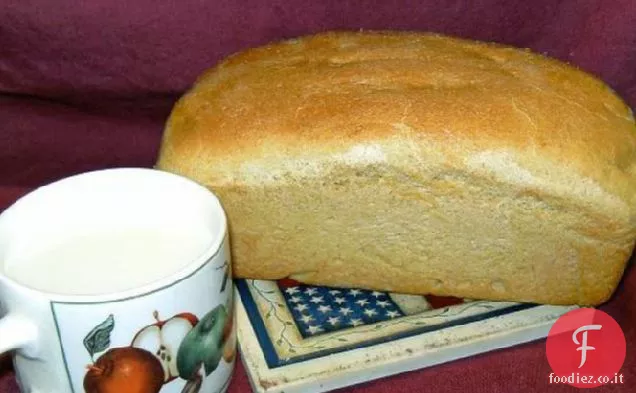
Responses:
[318,310]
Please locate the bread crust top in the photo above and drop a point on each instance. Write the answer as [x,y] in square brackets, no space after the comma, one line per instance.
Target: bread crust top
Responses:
[413,100]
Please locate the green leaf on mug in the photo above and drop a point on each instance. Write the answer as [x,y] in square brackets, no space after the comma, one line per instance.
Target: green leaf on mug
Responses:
[98,339]
[226,275]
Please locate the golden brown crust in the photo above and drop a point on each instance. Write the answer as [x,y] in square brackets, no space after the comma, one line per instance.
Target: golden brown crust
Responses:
[425,106]
[331,91]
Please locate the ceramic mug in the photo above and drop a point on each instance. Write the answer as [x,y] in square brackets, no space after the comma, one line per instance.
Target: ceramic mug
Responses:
[162,322]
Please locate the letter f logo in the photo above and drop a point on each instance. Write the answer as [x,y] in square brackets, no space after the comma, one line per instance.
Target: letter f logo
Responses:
[583,344]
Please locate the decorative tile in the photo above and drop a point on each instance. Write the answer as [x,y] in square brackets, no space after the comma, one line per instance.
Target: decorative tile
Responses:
[304,338]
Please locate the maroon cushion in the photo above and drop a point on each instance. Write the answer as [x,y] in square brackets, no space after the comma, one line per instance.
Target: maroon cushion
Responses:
[127,49]
[88,84]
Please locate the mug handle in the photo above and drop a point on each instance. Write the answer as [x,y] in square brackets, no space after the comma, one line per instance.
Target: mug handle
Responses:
[17,332]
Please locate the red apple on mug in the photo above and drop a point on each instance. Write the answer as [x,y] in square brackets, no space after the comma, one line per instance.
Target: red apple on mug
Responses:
[163,338]
[124,370]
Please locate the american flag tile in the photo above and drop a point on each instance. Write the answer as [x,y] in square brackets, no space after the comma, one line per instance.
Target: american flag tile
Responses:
[303,338]
[318,310]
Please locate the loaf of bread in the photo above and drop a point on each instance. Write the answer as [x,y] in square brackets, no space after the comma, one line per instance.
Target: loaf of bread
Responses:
[415,163]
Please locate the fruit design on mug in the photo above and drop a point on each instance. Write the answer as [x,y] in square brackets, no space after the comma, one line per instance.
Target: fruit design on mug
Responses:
[163,338]
[124,369]
[180,347]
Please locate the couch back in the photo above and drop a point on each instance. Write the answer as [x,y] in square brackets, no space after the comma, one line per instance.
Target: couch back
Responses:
[89,84]
[127,49]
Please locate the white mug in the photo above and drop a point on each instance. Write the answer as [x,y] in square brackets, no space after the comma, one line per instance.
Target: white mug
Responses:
[126,326]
